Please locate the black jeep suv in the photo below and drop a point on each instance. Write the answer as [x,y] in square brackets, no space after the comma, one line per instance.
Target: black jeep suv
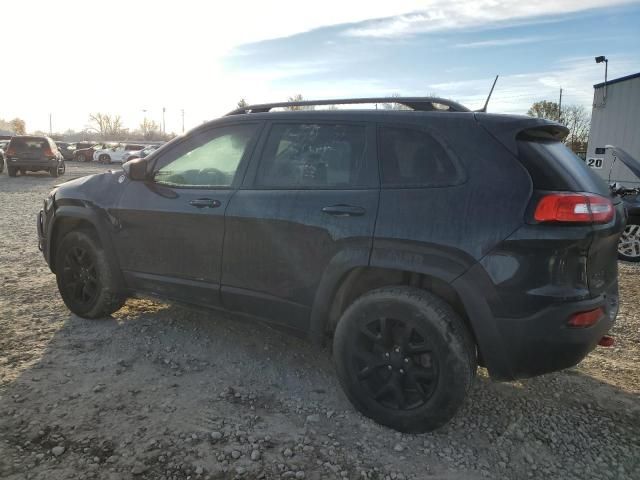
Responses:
[421,242]
[33,154]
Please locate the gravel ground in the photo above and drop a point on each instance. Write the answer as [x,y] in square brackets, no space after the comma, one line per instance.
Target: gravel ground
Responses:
[162,392]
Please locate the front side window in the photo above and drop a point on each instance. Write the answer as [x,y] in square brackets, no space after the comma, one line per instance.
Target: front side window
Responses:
[413,157]
[312,155]
[210,161]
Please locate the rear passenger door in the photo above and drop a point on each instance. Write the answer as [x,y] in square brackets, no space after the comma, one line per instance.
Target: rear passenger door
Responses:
[309,199]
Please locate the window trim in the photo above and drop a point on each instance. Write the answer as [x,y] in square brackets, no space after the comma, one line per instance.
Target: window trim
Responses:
[369,145]
[460,178]
[242,164]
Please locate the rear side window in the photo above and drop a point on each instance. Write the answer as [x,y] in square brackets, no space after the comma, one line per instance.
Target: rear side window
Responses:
[553,166]
[413,157]
[312,155]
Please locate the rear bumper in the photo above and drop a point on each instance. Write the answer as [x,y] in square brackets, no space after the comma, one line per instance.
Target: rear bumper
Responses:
[32,164]
[544,342]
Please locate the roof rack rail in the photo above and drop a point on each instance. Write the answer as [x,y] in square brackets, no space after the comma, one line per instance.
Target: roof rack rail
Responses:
[422,104]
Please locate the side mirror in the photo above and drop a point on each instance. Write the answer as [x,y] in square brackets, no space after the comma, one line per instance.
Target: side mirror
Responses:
[136,169]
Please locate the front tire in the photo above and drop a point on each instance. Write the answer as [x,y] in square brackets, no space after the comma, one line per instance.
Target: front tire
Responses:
[629,243]
[86,280]
[404,358]
[104,159]
[12,171]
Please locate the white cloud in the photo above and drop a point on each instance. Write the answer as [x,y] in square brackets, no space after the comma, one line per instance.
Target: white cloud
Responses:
[436,15]
[502,42]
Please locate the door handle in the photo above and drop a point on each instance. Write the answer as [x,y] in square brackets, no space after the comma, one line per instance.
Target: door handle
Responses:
[205,203]
[344,211]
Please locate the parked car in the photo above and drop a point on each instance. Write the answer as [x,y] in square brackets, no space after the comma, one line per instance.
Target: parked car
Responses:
[421,243]
[115,153]
[3,146]
[27,153]
[84,151]
[629,243]
[132,155]
[67,149]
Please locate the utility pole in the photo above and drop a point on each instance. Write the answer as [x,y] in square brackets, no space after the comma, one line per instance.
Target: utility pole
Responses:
[50,129]
[164,130]
[182,111]
[560,106]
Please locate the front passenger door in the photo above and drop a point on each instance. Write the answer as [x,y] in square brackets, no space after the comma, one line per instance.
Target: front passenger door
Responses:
[171,226]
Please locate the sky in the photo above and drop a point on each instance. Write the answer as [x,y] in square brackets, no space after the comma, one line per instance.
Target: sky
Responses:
[70,58]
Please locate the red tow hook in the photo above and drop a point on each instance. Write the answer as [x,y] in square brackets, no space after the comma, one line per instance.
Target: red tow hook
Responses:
[606,341]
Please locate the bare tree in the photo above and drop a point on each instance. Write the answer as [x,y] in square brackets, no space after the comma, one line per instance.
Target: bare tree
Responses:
[107,126]
[577,120]
[149,129]
[394,106]
[242,103]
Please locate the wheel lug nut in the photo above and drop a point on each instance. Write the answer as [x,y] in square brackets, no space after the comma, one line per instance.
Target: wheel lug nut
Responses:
[397,350]
[389,367]
[406,360]
[386,354]
[401,371]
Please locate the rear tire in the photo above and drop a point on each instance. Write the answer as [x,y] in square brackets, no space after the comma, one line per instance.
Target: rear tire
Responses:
[54,172]
[86,280]
[404,358]
[12,171]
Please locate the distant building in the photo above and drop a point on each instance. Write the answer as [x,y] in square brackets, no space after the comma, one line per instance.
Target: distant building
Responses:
[615,120]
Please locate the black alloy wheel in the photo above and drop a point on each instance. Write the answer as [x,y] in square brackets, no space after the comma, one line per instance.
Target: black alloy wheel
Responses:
[395,363]
[80,277]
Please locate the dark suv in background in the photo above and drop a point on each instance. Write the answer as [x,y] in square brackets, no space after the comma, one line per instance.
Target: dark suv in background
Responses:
[27,153]
[421,243]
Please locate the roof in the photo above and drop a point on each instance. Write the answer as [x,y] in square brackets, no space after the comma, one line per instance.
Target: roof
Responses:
[617,80]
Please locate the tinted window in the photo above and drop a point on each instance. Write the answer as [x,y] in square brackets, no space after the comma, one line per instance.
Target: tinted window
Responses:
[412,157]
[210,160]
[553,166]
[312,155]
[21,145]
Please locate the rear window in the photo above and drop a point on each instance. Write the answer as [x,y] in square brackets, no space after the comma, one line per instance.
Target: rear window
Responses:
[20,145]
[553,166]
[413,157]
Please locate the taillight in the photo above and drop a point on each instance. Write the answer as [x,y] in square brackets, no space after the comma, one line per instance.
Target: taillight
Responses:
[10,152]
[574,208]
[586,319]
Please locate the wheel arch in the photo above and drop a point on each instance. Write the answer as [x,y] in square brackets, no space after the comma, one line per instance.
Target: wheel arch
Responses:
[343,282]
[70,218]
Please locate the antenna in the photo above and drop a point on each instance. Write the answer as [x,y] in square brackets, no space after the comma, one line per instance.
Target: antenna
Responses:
[484,109]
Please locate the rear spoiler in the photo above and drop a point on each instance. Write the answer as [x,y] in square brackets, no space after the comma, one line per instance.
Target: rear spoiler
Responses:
[507,129]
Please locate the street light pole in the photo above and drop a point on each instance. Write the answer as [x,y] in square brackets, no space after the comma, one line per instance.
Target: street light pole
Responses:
[604,59]
[182,111]
[164,130]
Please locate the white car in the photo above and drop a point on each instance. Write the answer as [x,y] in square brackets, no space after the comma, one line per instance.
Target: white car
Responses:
[117,153]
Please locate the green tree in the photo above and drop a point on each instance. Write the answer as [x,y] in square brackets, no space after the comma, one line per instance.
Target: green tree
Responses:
[545,109]
[299,98]
[18,126]
[574,117]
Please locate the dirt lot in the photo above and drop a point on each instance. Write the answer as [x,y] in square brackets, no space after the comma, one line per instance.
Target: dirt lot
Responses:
[161,392]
